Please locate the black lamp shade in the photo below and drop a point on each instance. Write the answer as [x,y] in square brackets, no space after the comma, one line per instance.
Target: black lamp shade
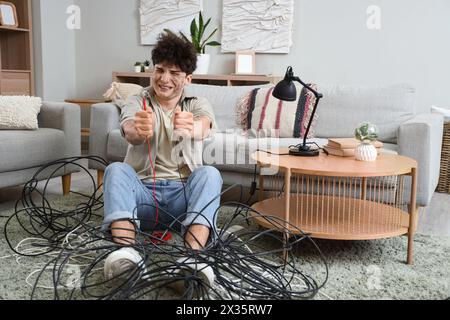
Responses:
[285,90]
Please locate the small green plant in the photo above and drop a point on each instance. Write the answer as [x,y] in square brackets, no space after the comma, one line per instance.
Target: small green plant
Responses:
[198,33]
[146,63]
[366,132]
[139,67]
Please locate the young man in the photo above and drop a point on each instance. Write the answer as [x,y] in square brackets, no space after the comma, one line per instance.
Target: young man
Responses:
[154,118]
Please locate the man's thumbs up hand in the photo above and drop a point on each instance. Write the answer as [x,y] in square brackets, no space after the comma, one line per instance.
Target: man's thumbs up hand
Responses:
[143,122]
[183,122]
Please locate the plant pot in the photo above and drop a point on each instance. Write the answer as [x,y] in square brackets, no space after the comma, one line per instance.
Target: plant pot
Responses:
[138,69]
[366,152]
[203,61]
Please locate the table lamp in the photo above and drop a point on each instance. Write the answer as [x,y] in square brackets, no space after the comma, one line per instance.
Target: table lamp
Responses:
[285,90]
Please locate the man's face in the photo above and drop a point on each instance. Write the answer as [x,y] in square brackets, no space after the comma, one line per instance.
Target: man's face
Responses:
[169,81]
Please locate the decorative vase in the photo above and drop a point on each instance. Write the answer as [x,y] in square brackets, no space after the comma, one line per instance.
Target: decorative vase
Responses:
[366,152]
[203,61]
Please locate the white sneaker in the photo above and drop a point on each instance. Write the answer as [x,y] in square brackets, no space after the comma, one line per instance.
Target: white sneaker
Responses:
[120,261]
[231,232]
[202,274]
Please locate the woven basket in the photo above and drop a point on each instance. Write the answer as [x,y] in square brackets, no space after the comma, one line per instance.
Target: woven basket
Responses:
[444,177]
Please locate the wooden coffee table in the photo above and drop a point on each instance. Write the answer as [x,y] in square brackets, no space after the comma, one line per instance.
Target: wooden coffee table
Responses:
[340,198]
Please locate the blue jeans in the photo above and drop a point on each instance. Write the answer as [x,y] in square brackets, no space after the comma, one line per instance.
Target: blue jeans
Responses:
[126,197]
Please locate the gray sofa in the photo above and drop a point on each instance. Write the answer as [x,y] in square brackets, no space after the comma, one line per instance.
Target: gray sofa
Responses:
[392,108]
[22,153]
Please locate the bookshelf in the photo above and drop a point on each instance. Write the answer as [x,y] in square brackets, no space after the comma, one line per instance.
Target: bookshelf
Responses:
[143,79]
[16,53]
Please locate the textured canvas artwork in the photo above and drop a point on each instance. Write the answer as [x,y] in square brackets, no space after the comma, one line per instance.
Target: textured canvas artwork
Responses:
[157,15]
[257,25]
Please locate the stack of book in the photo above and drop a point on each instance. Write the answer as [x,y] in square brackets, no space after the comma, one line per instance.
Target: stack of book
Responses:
[345,147]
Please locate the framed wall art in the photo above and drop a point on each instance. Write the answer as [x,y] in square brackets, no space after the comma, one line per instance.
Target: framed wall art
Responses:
[175,15]
[259,26]
[245,62]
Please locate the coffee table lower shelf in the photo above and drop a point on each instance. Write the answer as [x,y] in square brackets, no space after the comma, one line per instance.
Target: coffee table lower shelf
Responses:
[328,217]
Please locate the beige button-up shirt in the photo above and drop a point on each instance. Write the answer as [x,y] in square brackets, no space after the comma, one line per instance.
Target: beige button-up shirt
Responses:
[173,159]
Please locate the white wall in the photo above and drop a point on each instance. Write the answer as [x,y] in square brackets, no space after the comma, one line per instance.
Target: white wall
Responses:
[55,50]
[109,40]
[331,45]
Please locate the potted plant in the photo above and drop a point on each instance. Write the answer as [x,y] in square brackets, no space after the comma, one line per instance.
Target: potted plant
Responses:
[138,67]
[147,66]
[200,42]
[367,133]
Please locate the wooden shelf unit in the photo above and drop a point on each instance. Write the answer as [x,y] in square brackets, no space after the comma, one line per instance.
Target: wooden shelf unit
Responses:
[3,28]
[143,79]
[16,53]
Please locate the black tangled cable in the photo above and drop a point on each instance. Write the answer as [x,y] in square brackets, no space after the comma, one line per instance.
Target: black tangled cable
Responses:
[40,219]
[248,263]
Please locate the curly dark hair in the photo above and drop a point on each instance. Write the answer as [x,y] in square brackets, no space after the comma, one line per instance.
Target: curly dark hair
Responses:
[174,50]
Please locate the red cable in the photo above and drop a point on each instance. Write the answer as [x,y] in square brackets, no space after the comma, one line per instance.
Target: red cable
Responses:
[153,170]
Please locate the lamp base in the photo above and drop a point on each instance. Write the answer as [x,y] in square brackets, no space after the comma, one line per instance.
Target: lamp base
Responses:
[303,151]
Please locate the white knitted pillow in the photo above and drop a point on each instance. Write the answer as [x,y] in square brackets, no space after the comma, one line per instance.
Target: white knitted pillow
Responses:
[121,91]
[19,112]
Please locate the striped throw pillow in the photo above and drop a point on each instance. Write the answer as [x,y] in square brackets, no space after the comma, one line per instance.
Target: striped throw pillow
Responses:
[260,113]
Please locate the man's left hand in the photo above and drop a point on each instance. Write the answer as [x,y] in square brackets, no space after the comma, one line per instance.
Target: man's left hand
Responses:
[183,122]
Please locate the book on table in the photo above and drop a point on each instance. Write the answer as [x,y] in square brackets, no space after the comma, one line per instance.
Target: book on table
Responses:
[343,152]
[348,143]
[345,147]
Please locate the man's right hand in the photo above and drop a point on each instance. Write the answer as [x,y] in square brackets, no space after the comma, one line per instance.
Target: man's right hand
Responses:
[143,124]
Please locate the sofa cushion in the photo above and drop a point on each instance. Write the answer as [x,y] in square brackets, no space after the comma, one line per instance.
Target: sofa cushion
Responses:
[28,149]
[390,148]
[227,151]
[263,114]
[223,101]
[343,108]
[221,148]
[246,147]
[250,146]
